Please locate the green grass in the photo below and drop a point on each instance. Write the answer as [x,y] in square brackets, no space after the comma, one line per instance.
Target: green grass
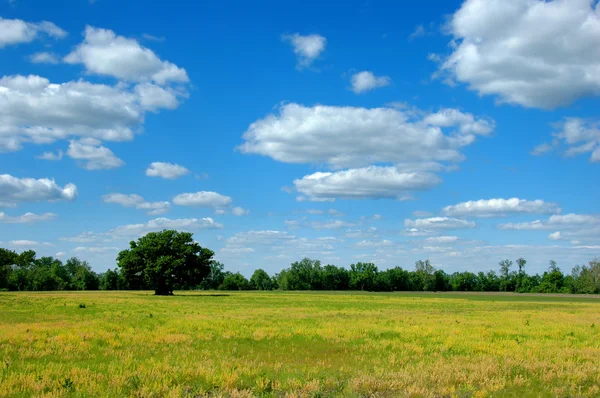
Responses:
[298,344]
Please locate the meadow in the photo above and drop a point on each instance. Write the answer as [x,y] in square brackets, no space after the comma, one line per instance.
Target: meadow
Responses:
[246,344]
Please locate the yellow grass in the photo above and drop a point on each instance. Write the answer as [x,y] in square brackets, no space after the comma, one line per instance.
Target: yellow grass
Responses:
[298,345]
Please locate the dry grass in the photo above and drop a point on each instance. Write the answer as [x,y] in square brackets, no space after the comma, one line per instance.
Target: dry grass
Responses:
[298,345]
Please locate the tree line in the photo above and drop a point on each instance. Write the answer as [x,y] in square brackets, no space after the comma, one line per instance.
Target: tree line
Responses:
[170,260]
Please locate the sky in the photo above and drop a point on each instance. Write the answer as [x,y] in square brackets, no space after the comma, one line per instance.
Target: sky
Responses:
[460,132]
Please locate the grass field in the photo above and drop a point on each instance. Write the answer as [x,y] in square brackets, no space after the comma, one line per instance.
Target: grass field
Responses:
[298,344]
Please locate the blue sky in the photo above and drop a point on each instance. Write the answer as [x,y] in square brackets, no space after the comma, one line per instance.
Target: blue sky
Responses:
[463,132]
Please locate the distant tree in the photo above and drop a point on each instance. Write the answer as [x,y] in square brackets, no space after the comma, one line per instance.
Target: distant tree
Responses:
[302,275]
[463,281]
[552,280]
[521,264]
[505,266]
[164,260]
[7,259]
[335,278]
[425,272]
[110,280]
[215,276]
[235,281]
[363,276]
[260,280]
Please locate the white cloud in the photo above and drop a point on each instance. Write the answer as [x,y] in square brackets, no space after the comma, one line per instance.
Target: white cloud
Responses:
[44,58]
[60,254]
[34,110]
[239,211]
[331,224]
[83,249]
[556,221]
[16,31]
[15,190]
[24,243]
[418,32]
[442,239]
[51,156]
[438,223]
[133,200]
[27,218]
[91,155]
[103,52]
[535,53]
[307,48]
[169,171]
[357,137]
[136,230]
[554,236]
[373,243]
[266,237]
[575,136]
[372,182]
[500,207]
[314,211]
[202,199]
[240,250]
[367,81]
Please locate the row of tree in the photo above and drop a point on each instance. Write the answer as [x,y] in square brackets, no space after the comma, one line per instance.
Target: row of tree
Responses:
[170,260]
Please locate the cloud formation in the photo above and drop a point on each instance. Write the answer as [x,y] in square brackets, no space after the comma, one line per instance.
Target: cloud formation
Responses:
[367,81]
[16,31]
[138,202]
[500,207]
[307,48]
[15,190]
[535,53]
[169,171]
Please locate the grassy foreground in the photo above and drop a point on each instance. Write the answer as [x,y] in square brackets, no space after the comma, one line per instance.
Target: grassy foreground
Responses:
[298,344]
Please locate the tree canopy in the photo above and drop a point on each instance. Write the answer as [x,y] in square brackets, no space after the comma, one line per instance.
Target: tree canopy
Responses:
[164,261]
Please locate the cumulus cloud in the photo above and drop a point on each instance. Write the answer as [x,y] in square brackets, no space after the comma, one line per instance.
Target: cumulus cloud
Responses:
[442,239]
[556,221]
[202,199]
[91,155]
[83,249]
[103,52]
[374,243]
[374,182]
[15,190]
[535,53]
[500,207]
[26,218]
[367,81]
[438,223]
[169,171]
[265,237]
[44,58]
[307,48]
[239,211]
[51,156]
[357,137]
[138,202]
[16,31]
[136,230]
[575,137]
[32,109]
[331,224]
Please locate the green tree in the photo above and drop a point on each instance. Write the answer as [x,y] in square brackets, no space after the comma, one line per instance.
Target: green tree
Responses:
[505,266]
[164,260]
[424,271]
[363,276]
[552,280]
[235,281]
[260,280]
[215,276]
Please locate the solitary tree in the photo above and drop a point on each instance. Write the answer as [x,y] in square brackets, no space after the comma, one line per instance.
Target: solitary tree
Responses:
[164,260]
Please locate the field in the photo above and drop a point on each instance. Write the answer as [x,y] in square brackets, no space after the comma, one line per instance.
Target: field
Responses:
[298,344]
